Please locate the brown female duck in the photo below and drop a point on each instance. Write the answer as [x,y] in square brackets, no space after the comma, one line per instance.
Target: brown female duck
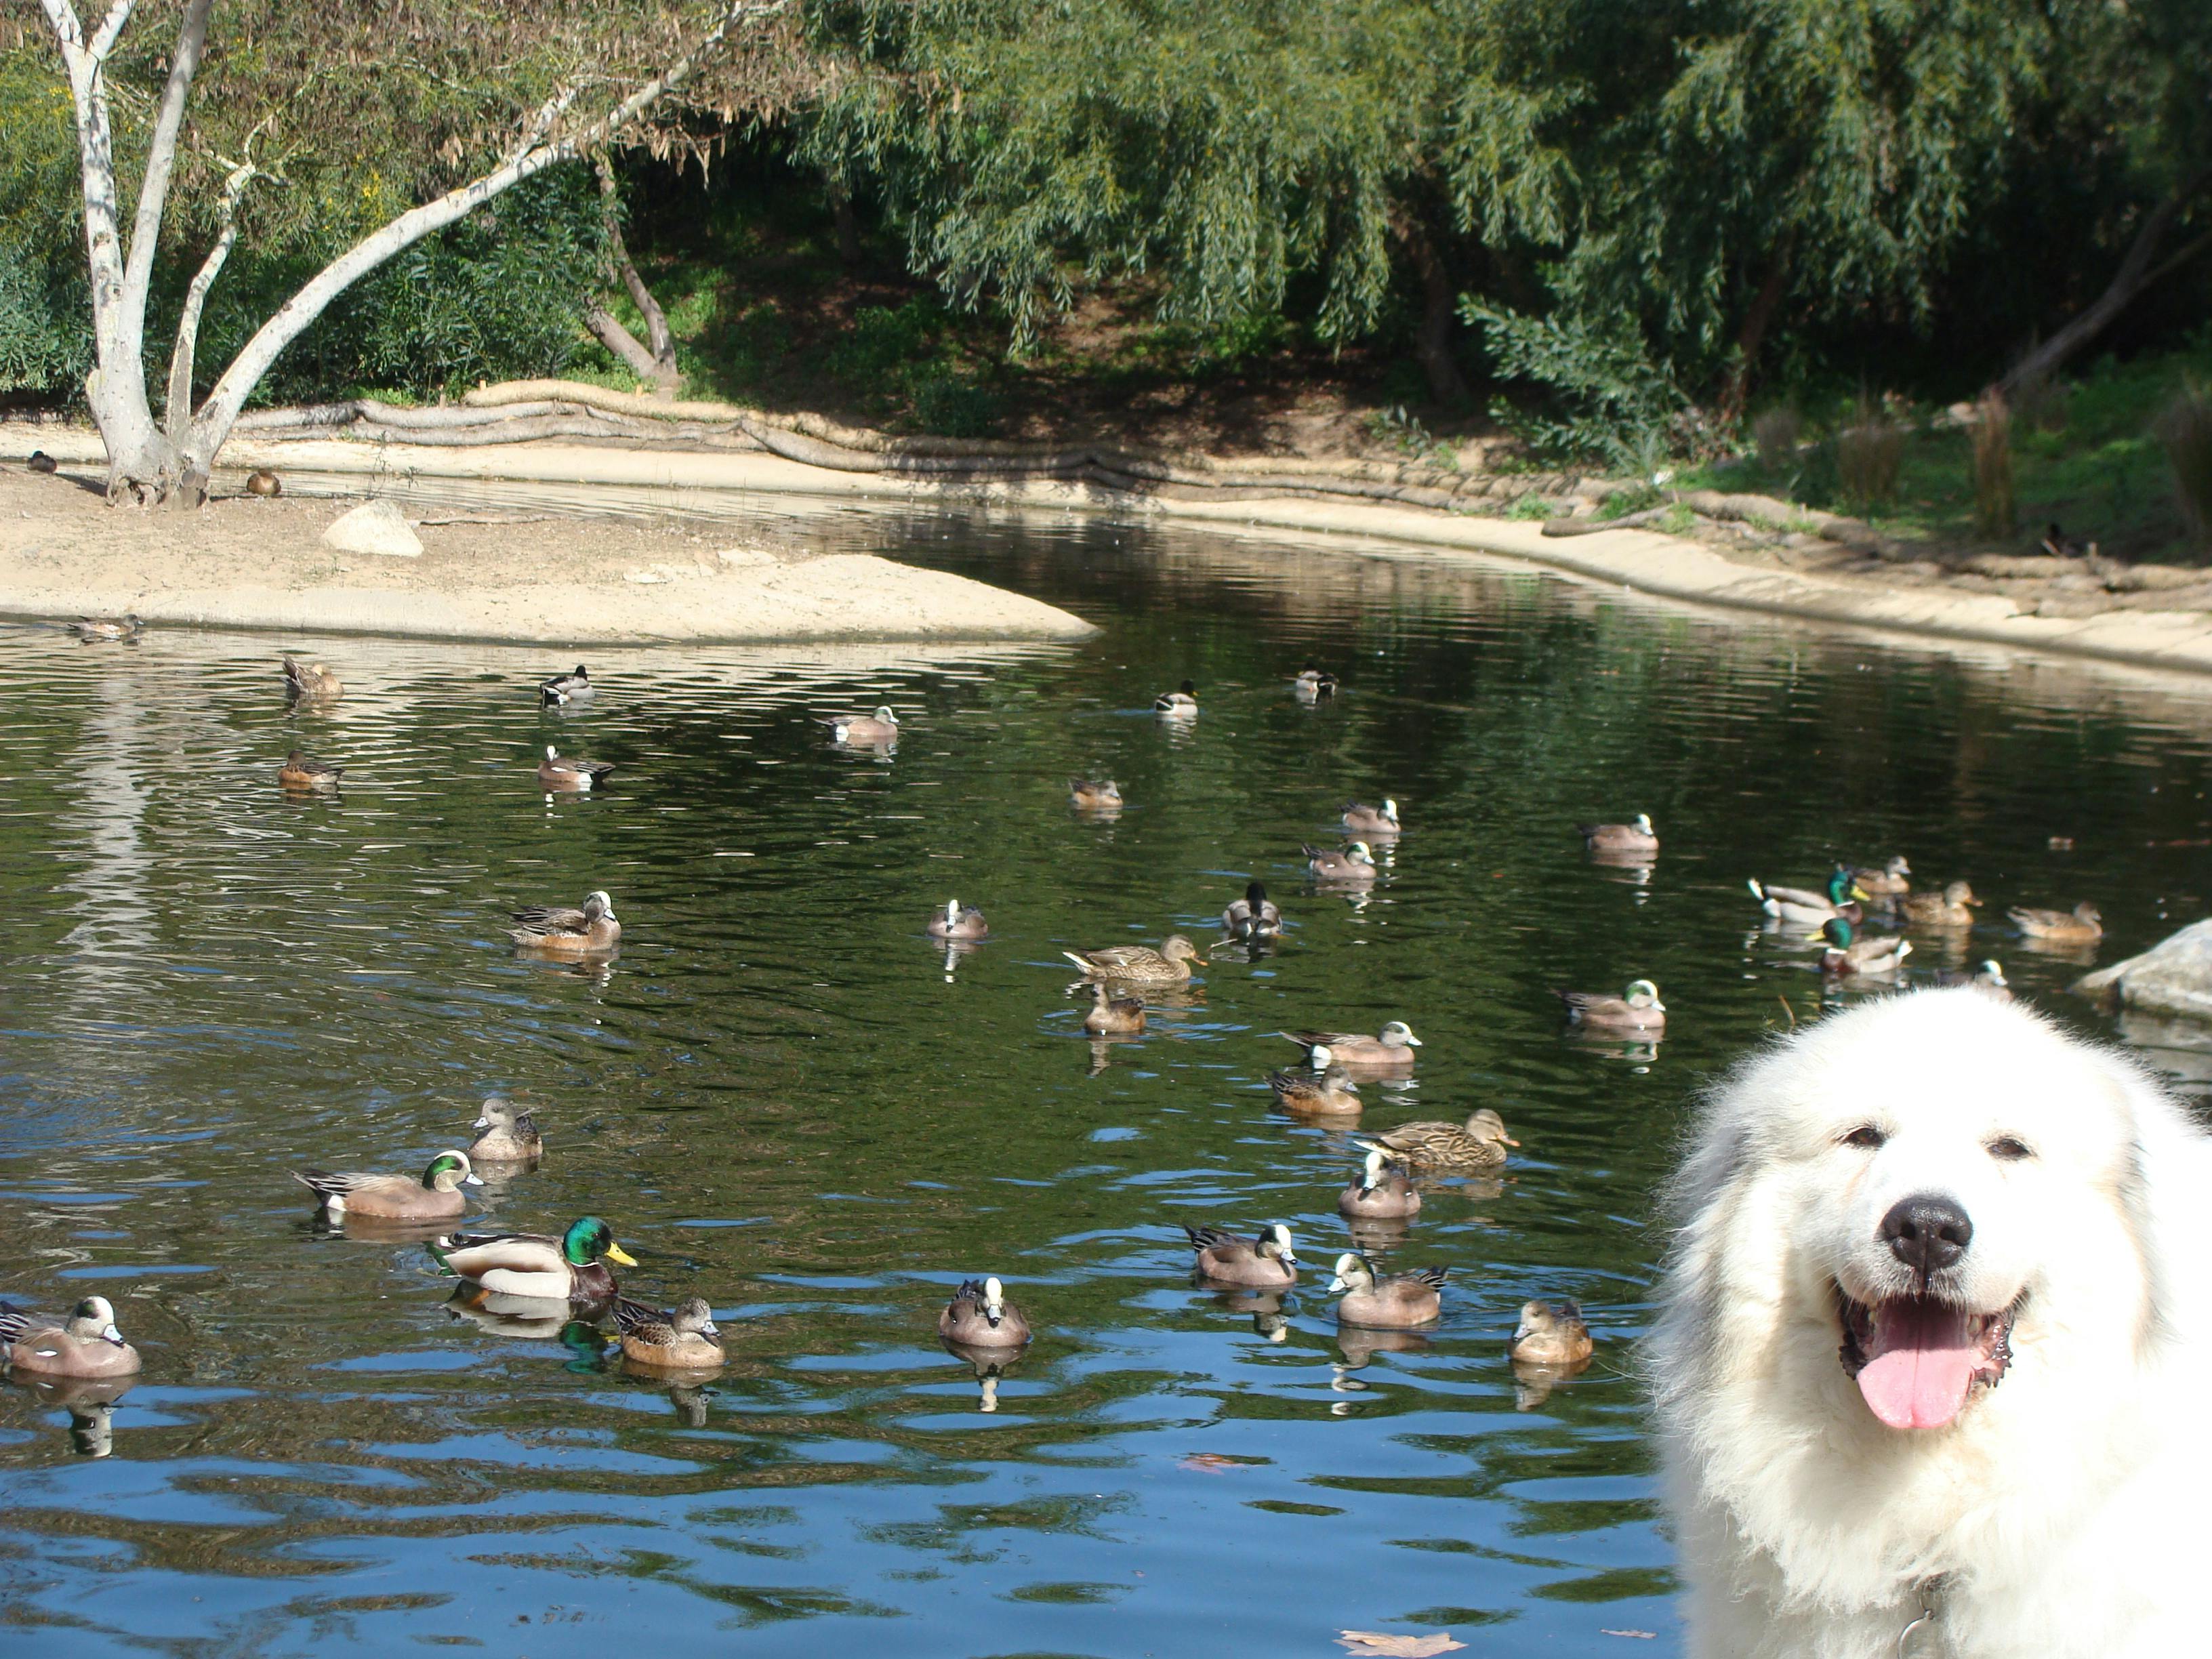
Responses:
[1112,1016]
[1953,908]
[2083,925]
[1140,964]
[302,770]
[683,1338]
[506,1133]
[1333,1094]
[311,682]
[1480,1144]
[1633,837]
[1551,1336]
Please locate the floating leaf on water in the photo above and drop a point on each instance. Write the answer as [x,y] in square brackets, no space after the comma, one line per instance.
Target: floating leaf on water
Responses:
[1368,1642]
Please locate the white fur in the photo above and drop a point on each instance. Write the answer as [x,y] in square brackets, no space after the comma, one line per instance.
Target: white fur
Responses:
[2064,1511]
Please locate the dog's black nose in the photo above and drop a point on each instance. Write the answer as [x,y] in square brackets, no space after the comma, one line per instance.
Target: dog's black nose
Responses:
[1926,1233]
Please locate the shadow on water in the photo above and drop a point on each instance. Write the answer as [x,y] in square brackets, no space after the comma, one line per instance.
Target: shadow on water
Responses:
[783,1094]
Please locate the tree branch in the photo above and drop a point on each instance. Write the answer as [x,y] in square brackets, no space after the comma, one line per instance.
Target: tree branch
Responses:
[661,341]
[177,414]
[61,17]
[161,164]
[117,15]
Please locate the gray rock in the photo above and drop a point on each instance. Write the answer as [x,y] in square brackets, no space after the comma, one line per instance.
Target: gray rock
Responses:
[2173,977]
[374,527]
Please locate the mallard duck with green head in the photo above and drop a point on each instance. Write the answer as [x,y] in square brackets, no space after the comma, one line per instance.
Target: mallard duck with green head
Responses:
[572,1268]
[1842,952]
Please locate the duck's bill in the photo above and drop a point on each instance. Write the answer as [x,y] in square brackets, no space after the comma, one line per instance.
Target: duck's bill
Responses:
[616,1253]
[1412,1042]
[1338,1283]
[111,1335]
[1509,1140]
[481,1125]
[472,1179]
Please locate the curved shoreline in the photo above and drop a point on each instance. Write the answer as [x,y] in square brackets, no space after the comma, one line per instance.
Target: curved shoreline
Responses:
[1646,562]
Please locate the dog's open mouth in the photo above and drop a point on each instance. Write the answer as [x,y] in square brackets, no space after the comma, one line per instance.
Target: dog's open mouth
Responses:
[1916,1359]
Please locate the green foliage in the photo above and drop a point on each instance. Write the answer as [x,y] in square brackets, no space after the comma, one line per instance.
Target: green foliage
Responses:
[895,356]
[1404,432]
[1609,399]
[46,332]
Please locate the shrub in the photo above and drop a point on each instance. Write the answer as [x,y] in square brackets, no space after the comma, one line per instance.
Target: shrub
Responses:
[1868,453]
[2185,429]
[2042,405]
[1774,434]
[1612,402]
[1996,509]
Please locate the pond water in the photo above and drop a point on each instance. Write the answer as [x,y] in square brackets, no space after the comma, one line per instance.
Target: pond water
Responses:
[783,1097]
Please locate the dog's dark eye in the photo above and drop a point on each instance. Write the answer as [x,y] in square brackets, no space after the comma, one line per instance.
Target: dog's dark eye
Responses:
[1866,1136]
[2008,1150]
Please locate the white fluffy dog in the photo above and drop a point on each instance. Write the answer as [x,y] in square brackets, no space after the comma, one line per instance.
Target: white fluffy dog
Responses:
[1934,1347]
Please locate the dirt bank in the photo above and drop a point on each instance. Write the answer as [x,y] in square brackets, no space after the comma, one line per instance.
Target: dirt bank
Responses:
[245,562]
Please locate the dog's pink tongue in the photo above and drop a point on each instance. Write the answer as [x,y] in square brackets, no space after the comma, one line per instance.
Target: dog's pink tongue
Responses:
[1923,1361]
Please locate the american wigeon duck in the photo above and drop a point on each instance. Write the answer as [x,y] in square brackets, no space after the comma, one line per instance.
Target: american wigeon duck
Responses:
[1379,1192]
[882,727]
[590,931]
[1333,1094]
[1843,952]
[955,922]
[93,629]
[561,773]
[559,688]
[1637,1008]
[980,1316]
[1392,1047]
[435,1197]
[1362,819]
[683,1338]
[1479,1144]
[264,484]
[1554,1335]
[2084,924]
[1637,836]
[572,1268]
[302,770]
[1140,964]
[1182,703]
[1353,866]
[1952,908]
[506,1133]
[87,1343]
[1253,916]
[1894,878]
[1111,1016]
[1267,1261]
[42,462]
[1314,683]
[1802,905]
[1094,795]
[311,682]
[1989,976]
[1386,1304]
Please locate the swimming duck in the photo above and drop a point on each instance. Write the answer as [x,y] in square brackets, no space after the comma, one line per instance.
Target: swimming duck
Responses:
[1385,1304]
[1253,916]
[435,1197]
[1554,1336]
[1314,683]
[1113,1016]
[42,462]
[591,931]
[1182,703]
[1393,1046]
[1480,1144]
[1637,1008]
[1372,820]
[1354,866]
[572,1268]
[1140,964]
[505,1133]
[264,484]
[87,1344]
[559,689]
[1892,878]
[1842,953]
[1634,837]
[980,1316]
[302,770]
[1268,1261]
[882,727]
[1989,977]
[1802,904]
[311,682]
[93,629]
[685,1338]
[1952,908]
[564,774]
[2083,925]
[1379,1193]
[955,922]
[1099,795]
[1333,1094]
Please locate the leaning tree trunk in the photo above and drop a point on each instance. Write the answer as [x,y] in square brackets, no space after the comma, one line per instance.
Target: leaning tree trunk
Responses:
[654,360]
[1439,305]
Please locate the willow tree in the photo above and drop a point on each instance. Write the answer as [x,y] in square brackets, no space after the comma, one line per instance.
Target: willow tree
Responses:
[497,91]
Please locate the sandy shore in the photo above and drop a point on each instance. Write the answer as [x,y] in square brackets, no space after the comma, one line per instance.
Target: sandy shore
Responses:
[244,562]
[501,594]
